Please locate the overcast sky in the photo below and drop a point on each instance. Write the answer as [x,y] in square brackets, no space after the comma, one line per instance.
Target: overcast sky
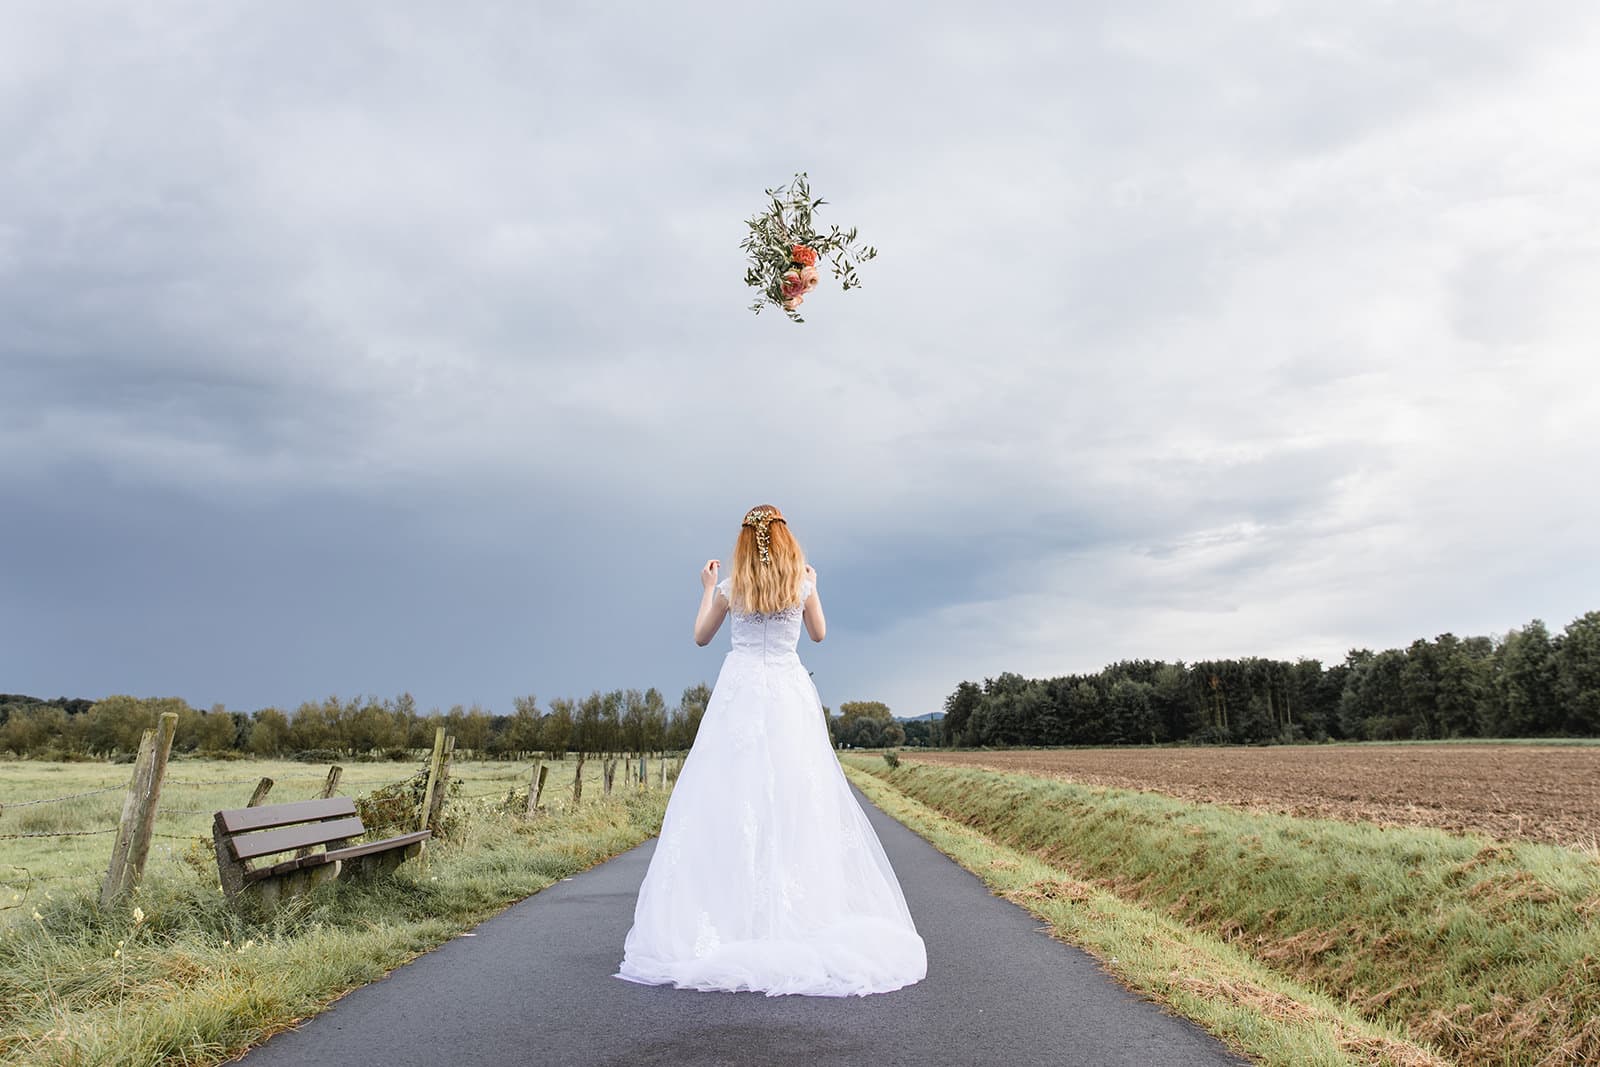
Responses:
[366,348]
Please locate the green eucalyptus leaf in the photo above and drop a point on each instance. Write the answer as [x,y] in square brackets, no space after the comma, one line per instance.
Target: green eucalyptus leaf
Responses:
[768,244]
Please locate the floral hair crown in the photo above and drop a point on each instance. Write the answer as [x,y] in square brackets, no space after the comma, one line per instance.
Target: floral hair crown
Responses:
[760,518]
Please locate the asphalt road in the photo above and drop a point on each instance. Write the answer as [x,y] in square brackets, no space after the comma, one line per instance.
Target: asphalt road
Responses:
[533,986]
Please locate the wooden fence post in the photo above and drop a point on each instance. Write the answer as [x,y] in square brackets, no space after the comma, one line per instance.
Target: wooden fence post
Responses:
[435,763]
[608,771]
[259,797]
[437,807]
[535,787]
[577,782]
[138,821]
[644,771]
[329,786]
[663,770]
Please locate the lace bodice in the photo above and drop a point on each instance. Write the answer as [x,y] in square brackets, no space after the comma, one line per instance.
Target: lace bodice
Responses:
[773,634]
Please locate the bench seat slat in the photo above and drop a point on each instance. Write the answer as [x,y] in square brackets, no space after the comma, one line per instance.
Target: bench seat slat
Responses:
[370,847]
[250,846]
[298,863]
[241,820]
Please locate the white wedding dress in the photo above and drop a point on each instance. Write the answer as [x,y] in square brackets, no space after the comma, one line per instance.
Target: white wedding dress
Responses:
[767,875]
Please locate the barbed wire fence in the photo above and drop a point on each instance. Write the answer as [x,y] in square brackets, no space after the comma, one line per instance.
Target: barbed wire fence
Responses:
[142,809]
[137,827]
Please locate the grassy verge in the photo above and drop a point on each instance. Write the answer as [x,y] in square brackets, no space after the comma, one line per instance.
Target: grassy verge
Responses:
[1488,951]
[187,978]
[1256,1012]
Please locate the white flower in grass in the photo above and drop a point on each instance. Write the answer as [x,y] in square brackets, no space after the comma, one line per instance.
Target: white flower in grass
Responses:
[251,943]
[138,915]
[37,917]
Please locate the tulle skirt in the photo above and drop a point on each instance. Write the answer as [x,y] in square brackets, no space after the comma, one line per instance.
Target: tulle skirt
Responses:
[767,875]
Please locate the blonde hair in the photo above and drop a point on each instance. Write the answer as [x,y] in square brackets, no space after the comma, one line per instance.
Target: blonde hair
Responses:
[771,584]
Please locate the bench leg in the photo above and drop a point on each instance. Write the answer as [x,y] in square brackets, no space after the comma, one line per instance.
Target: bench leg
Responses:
[269,892]
[274,891]
[230,872]
[376,863]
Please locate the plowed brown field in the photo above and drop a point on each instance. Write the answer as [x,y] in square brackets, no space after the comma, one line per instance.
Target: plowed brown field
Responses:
[1532,792]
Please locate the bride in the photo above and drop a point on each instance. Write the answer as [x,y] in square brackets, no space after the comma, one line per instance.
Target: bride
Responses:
[767,875]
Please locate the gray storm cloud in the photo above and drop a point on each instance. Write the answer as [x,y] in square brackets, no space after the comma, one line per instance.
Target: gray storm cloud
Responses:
[398,348]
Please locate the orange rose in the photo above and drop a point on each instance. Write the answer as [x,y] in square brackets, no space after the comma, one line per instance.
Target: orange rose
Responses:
[803,255]
[793,302]
[810,277]
[792,284]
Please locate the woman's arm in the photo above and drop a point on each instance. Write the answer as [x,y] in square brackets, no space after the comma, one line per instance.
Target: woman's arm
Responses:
[816,623]
[713,609]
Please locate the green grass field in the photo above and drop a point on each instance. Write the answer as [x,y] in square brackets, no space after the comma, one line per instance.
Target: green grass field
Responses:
[1486,951]
[192,791]
[191,978]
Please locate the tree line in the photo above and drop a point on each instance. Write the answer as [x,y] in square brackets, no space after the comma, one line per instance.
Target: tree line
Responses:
[1526,683]
[619,721]
[364,727]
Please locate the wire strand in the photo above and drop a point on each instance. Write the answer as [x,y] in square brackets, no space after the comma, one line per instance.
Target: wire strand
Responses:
[57,800]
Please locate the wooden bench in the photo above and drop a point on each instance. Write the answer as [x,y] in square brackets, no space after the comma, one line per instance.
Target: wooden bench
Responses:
[316,834]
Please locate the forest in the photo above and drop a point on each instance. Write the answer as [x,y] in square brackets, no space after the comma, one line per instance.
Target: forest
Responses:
[1527,683]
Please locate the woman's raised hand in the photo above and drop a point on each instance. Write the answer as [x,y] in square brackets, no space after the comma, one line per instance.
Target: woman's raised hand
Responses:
[708,573]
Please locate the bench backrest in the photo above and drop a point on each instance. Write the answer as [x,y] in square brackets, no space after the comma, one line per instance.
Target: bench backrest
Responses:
[271,828]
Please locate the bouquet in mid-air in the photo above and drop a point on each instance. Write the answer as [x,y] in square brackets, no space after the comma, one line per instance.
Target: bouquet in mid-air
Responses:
[784,249]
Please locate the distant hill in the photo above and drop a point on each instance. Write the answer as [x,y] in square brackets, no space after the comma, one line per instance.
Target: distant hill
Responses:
[929,717]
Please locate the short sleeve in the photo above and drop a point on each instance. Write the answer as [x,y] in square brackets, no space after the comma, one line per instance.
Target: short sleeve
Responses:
[725,587]
[807,587]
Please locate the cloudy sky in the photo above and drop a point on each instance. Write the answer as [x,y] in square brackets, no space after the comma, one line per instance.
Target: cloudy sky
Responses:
[377,347]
